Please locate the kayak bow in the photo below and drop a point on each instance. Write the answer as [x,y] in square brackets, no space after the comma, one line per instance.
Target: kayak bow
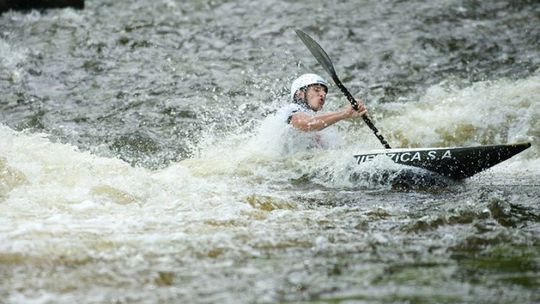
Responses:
[456,163]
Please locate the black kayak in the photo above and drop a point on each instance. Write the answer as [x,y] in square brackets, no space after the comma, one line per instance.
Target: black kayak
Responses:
[455,163]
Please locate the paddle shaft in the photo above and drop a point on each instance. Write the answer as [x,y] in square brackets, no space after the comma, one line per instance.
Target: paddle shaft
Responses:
[354,104]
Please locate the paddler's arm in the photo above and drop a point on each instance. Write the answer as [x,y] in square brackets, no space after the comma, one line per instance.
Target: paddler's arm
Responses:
[305,122]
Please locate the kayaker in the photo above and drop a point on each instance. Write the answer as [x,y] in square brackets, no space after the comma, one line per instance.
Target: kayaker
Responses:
[305,128]
[308,95]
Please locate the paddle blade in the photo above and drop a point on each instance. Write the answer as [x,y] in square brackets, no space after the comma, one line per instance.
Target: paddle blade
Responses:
[317,52]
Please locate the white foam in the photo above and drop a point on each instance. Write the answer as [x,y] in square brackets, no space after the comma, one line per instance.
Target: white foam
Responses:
[503,111]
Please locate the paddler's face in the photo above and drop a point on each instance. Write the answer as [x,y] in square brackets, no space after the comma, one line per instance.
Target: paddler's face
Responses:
[315,97]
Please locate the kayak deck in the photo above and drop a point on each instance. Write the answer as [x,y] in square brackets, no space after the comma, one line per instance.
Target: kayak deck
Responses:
[456,163]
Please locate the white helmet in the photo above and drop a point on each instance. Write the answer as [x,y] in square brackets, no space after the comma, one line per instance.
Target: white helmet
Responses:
[306,80]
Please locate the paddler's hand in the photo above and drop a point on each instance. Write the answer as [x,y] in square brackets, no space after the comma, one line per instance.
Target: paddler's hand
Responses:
[352,113]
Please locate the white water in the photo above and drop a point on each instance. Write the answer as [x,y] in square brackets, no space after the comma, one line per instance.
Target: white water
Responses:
[51,187]
[494,112]
[241,218]
[75,225]
[42,173]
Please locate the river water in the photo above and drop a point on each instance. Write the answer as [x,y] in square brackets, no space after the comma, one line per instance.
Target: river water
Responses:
[137,163]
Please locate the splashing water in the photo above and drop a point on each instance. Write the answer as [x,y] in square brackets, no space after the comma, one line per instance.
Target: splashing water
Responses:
[141,161]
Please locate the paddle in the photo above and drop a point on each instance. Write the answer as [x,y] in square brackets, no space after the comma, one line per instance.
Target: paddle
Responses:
[325,61]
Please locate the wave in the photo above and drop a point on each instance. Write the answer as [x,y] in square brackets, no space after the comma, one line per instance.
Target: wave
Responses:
[490,112]
[502,111]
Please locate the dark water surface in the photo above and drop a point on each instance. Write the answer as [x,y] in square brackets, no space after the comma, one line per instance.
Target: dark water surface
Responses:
[134,167]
